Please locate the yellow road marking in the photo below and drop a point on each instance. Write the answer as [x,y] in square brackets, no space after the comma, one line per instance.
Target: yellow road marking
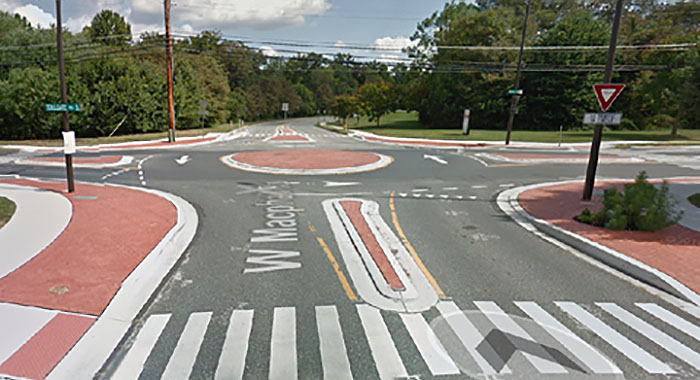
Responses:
[341,276]
[410,248]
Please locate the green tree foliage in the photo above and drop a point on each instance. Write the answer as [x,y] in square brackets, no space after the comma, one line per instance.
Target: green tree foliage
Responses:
[122,83]
[640,206]
[377,99]
[561,93]
[109,28]
[345,106]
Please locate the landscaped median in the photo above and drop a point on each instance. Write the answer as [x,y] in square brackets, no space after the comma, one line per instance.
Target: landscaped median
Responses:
[666,259]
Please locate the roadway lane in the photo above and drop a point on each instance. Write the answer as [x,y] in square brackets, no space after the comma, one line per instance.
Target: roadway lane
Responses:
[270,288]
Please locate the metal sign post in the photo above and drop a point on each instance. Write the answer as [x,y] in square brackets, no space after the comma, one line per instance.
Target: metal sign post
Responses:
[285,108]
[465,121]
[203,111]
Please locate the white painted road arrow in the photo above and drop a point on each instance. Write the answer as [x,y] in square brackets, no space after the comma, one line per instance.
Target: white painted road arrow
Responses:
[182,160]
[435,158]
[338,184]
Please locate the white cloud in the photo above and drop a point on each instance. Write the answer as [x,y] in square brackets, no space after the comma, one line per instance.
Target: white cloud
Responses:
[148,6]
[267,14]
[137,29]
[394,42]
[36,15]
[268,51]
[188,28]
[394,47]
[76,24]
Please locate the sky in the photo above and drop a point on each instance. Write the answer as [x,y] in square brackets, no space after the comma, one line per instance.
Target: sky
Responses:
[334,24]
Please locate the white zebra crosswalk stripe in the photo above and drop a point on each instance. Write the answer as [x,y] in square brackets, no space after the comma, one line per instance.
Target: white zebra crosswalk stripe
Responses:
[507,325]
[587,354]
[183,358]
[468,335]
[132,364]
[334,356]
[283,344]
[430,348]
[449,345]
[672,319]
[233,353]
[386,357]
[655,335]
[615,339]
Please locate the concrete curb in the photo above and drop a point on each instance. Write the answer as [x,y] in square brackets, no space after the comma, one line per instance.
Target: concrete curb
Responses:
[419,142]
[508,203]
[383,162]
[133,145]
[94,348]
[125,160]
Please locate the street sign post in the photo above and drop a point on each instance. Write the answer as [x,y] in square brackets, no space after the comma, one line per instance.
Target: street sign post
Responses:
[608,118]
[465,121]
[515,92]
[606,93]
[63,107]
[203,111]
[285,108]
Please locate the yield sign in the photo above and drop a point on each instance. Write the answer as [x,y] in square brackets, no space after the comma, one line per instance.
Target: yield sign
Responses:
[607,93]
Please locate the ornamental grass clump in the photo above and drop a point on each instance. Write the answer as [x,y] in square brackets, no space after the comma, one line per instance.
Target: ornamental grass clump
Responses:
[641,206]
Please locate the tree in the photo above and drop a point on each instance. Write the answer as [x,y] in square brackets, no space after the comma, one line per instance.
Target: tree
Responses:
[109,28]
[344,106]
[377,100]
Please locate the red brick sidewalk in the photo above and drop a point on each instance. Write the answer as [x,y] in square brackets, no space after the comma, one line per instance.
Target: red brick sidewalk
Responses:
[111,230]
[674,250]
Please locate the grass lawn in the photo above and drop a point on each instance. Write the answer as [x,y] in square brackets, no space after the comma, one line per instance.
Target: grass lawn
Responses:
[123,138]
[403,124]
[695,199]
[7,208]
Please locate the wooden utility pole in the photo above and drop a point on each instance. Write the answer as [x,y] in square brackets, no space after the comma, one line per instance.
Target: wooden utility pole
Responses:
[169,64]
[516,97]
[598,131]
[64,92]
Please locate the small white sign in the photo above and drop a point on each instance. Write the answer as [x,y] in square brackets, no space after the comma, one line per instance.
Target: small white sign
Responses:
[602,118]
[465,121]
[285,106]
[69,142]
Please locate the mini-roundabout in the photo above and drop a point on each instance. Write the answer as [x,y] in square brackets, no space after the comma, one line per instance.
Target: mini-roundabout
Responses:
[307,161]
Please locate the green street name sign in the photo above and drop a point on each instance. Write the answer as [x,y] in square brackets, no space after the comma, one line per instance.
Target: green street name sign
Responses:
[63,107]
[515,92]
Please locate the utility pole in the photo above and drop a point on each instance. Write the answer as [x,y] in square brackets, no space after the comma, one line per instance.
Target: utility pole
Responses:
[516,97]
[64,92]
[598,131]
[169,64]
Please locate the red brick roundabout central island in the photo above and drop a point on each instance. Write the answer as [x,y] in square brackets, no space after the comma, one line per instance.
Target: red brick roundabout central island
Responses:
[307,161]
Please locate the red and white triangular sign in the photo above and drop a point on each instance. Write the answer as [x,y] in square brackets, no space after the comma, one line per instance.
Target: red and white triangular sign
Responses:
[607,93]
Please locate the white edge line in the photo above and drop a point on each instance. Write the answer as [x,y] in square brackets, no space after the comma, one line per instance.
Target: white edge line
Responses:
[88,355]
[508,202]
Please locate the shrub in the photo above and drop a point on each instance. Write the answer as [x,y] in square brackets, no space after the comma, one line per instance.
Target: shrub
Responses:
[640,206]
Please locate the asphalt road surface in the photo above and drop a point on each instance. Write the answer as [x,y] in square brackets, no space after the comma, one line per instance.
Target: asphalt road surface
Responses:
[277,283]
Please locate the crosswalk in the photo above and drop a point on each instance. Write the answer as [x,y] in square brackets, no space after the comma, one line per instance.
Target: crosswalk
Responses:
[312,135]
[444,341]
[21,155]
